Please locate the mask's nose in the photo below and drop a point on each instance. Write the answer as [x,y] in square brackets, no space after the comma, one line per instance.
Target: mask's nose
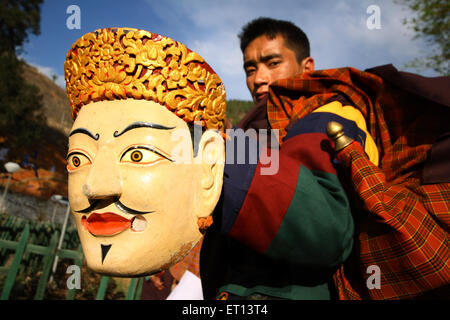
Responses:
[103,180]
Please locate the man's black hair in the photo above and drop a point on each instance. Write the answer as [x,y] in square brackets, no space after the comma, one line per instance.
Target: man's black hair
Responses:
[294,37]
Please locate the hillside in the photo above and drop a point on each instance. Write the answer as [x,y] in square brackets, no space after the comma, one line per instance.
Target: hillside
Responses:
[49,153]
[56,104]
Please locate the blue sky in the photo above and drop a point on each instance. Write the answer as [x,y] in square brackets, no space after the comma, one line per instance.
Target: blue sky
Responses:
[336,29]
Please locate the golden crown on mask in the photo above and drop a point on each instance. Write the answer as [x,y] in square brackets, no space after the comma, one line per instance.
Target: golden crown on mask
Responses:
[124,63]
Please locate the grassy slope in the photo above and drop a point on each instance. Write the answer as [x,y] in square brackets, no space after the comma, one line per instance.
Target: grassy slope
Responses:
[236,109]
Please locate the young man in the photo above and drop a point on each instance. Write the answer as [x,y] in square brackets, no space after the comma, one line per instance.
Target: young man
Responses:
[273,50]
[286,225]
[289,231]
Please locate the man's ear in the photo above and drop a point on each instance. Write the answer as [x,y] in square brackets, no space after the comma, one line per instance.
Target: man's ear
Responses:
[308,64]
[211,158]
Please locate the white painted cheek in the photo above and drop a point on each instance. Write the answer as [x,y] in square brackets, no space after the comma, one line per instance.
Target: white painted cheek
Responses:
[146,178]
[77,199]
[146,183]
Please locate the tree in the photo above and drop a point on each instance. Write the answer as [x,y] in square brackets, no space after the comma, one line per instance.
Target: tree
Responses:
[21,116]
[431,22]
[17,19]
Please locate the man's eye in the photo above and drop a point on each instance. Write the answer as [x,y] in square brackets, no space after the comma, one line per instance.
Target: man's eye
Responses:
[249,71]
[274,63]
[76,160]
[140,156]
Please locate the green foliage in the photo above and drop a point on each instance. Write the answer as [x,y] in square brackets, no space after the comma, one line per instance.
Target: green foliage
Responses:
[30,269]
[17,19]
[431,22]
[236,109]
[21,117]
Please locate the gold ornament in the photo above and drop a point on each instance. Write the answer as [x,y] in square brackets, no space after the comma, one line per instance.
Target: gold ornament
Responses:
[123,63]
[335,131]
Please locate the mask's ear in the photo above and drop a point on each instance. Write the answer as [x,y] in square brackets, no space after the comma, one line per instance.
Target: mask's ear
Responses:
[211,158]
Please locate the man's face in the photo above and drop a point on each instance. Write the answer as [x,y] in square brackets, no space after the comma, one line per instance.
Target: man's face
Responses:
[267,60]
[134,205]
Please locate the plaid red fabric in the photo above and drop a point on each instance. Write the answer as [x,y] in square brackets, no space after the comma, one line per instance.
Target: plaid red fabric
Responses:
[402,234]
[191,262]
[292,99]
[402,227]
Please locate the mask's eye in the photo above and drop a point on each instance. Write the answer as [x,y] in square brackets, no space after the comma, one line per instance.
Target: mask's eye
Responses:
[142,155]
[76,160]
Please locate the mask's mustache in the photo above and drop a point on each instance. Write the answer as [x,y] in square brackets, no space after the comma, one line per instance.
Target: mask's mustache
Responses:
[126,209]
[117,203]
[90,208]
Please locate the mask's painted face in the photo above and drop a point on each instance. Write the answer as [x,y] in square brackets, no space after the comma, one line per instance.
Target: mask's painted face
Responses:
[135,200]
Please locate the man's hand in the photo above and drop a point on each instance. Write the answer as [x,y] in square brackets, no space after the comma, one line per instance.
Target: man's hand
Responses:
[157,282]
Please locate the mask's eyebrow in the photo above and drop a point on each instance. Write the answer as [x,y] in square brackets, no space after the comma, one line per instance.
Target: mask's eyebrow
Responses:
[141,124]
[86,132]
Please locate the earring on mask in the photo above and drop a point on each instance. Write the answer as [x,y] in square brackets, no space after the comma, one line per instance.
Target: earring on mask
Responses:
[204,223]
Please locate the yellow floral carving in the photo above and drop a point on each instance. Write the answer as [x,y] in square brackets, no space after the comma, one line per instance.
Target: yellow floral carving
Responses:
[122,63]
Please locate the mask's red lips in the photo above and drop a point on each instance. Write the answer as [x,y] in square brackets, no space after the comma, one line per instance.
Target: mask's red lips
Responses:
[105,224]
